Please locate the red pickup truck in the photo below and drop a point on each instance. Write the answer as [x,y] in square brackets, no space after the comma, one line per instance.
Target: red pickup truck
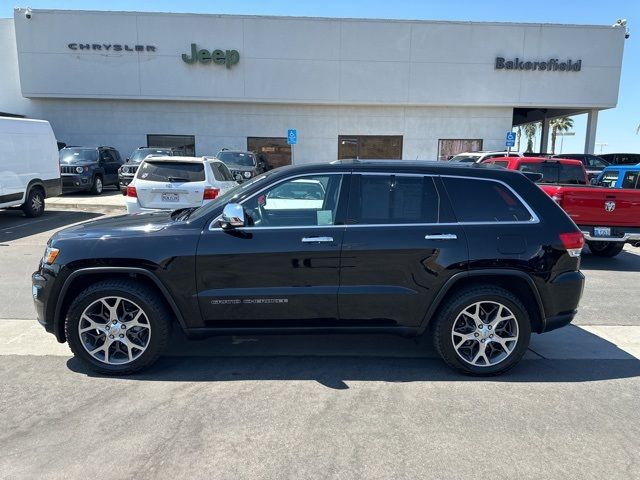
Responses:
[608,217]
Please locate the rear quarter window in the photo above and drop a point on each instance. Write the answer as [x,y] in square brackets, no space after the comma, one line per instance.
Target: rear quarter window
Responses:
[477,200]
[171,172]
[221,172]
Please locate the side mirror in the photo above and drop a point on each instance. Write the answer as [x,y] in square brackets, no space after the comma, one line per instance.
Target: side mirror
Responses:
[594,181]
[127,160]
[232,216]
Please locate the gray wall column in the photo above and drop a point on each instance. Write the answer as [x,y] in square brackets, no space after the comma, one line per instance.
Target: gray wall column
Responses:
[592,126]
[544,135]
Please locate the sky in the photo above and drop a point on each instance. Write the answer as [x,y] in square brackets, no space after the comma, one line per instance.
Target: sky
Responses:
[616,127]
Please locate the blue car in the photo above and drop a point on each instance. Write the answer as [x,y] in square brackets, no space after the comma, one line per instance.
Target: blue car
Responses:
[619,176]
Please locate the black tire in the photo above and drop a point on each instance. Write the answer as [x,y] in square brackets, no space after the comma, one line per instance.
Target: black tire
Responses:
[605,249]
[448,314]
[97,186]
[159,318]
[34,203]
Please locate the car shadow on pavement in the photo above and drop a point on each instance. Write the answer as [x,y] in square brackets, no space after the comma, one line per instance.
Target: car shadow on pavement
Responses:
[336,360]
[623,262]
[14,225]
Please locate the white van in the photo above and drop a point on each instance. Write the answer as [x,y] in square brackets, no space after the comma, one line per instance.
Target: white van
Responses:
[29,167]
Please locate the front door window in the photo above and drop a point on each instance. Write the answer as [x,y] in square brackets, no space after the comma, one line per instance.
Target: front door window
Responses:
[299,202]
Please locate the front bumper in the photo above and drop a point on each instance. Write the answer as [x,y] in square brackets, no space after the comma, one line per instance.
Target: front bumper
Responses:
[124,180]
[41,287]
[75,182]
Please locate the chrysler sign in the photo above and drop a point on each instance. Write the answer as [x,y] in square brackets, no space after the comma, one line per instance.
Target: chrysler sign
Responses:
[552,65]
[111,47]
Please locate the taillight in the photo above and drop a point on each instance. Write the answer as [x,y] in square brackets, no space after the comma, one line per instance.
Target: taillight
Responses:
[573,242]
[558,197]
[210,193]
[131,191]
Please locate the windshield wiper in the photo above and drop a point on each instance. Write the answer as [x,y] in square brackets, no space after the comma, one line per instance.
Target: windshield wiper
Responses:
[177,179]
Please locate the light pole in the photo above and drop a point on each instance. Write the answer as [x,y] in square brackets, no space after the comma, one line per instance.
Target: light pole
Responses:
[602,145]
[564,134]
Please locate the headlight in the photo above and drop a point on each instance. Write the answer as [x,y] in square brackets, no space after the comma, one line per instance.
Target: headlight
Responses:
[79,169]
[247,174]
[50,255]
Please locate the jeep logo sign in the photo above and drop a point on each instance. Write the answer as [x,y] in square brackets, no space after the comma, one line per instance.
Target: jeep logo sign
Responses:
[219,57]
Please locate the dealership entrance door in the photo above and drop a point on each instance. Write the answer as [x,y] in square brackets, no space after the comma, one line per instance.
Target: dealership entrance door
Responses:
[276,151]
[370,147]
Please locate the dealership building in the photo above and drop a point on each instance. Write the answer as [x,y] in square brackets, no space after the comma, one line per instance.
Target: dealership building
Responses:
[349,87]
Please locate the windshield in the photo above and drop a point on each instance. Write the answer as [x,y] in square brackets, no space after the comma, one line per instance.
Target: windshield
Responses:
[228,197]
[237,158]
[78,155]
[466,158]
[138,155]
[556,172]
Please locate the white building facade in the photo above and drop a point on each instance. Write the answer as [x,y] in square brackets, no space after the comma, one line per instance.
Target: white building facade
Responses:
[351,88]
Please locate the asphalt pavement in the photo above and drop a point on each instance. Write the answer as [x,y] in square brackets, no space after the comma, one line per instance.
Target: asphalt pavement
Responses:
[331,406]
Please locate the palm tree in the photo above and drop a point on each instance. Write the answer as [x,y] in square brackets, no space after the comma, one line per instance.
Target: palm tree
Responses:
[518,135]
[530,130]
[559,125]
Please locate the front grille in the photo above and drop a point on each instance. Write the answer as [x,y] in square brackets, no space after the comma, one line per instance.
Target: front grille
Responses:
[130,169]
[67,169]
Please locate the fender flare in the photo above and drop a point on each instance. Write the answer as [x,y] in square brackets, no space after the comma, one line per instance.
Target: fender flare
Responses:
[33,183]
[501,272]
[58,322]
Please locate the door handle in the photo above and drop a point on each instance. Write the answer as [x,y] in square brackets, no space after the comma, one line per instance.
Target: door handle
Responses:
[441,236]
[317,239]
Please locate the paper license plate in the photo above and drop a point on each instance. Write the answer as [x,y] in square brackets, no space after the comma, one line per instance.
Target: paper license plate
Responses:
[170,197]
[601,231]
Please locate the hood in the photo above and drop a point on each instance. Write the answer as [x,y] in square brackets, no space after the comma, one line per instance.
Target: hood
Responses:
[120,226]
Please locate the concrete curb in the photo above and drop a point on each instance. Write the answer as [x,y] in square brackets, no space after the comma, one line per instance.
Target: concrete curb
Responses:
[84,207]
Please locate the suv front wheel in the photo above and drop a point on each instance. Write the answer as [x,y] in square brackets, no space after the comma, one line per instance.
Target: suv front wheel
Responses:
[482,331]
[117,326]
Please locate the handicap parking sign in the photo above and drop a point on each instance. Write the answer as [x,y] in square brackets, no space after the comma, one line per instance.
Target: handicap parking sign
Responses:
[511,139]
[292,136]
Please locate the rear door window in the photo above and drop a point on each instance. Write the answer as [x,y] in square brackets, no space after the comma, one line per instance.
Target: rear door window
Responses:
[171,171]
[476,200]
[220,172]
[394,199]
[630,180]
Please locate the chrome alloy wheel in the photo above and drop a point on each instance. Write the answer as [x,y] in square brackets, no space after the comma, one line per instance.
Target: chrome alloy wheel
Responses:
[114,330]
[36,203]
[485,333]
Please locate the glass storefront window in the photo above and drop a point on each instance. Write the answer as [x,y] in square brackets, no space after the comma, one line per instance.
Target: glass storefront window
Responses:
[449,147]
[273,150]
[370,147]
[181,144]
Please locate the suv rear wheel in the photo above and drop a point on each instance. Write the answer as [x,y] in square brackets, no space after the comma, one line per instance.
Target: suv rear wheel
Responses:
[605,249]
[482,331]
[117,327]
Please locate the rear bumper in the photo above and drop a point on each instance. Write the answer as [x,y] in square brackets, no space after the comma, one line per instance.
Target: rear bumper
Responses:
[563,297]
[618,234]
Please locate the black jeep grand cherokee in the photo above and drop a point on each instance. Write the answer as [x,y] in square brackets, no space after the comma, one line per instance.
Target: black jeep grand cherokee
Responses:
[475,257]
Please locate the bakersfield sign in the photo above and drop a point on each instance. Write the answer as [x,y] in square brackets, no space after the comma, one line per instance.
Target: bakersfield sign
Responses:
[218,57]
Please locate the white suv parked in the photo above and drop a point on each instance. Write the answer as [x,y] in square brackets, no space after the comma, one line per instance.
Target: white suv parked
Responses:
[479,157]
[170,183]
